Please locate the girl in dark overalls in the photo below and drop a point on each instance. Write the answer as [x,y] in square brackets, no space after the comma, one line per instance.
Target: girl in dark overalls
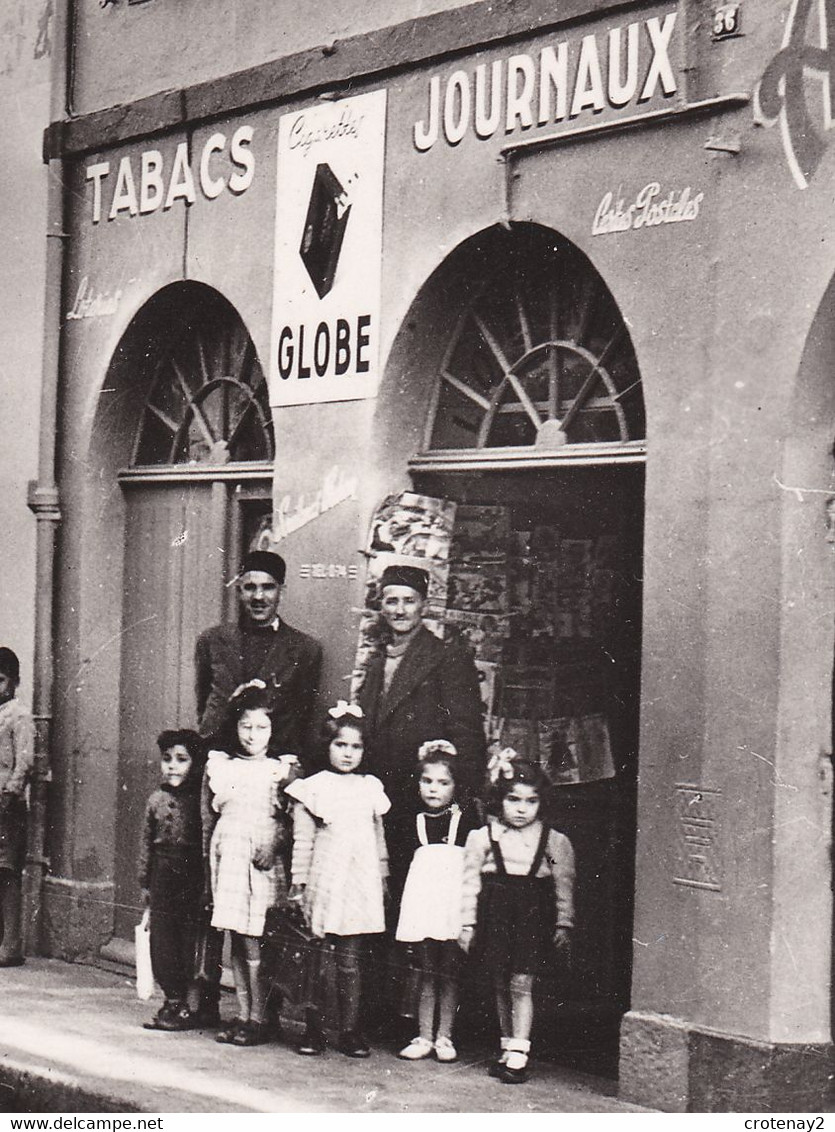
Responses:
[519,900]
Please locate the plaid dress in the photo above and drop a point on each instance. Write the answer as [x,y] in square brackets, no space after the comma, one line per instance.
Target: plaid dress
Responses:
[339,851]
[244,793]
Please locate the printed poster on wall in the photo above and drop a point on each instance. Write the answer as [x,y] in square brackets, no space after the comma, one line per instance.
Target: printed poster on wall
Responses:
[328,252]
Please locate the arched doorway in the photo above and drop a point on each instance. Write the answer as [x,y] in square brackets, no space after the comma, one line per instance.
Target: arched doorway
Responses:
[533,424]
[197,489]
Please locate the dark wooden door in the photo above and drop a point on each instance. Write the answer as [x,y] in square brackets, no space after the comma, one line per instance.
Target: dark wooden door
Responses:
[173,588]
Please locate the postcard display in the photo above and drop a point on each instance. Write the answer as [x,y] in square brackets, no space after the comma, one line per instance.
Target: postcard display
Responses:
[533,606]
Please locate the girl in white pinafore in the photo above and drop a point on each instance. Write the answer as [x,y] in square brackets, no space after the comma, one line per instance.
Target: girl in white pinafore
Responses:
[430,909]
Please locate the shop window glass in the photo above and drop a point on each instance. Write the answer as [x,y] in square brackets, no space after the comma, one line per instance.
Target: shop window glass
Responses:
[543,341]
[208,400]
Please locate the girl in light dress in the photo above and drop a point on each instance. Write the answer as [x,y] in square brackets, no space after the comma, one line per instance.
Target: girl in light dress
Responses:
[242,810]
[430,909]
[519,901]
[340,866]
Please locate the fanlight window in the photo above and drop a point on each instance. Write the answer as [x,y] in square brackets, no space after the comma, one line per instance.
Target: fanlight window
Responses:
[541,356]
[208,400]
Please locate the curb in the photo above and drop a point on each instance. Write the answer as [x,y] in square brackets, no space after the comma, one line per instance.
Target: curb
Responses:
[26,1089]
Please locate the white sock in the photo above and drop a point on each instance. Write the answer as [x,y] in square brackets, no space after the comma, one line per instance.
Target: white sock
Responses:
[517,1053]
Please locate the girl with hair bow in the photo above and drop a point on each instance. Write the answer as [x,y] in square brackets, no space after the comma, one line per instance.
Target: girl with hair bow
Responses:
[243,831]
[518,899]
[430,910]
[340,866]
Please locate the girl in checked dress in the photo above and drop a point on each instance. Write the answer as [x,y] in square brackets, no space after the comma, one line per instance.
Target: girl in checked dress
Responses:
[241,797]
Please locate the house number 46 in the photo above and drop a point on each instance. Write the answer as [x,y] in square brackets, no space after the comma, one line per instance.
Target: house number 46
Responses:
[726,21]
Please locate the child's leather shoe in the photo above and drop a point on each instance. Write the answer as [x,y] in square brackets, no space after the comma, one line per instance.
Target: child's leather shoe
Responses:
[353,1044]
[515,1069]
[514,1076]
[226,1034]
[172,1017]
[312,1043]
[250,1034]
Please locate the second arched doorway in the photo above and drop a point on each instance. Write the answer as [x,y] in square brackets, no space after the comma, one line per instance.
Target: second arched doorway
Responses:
[516,371]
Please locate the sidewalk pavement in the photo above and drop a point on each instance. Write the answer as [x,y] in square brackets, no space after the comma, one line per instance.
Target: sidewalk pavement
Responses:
[71,1040]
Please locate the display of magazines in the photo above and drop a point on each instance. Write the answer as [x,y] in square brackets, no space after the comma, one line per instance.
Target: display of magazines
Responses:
[570,749]
[486,633]
[533,604]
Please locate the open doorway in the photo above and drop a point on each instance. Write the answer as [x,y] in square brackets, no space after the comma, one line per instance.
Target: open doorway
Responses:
[564,664]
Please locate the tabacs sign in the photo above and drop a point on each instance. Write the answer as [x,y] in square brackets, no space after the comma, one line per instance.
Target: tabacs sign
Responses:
[146,182]
[328,252]
[568,80]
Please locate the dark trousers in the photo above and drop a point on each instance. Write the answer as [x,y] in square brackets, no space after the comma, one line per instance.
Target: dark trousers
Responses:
[176,889]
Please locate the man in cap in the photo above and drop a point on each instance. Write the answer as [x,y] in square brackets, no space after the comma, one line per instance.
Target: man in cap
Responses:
[261,646]
[418,688]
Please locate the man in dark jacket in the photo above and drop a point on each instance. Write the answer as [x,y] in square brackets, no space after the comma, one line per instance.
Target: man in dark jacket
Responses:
[262,646]
[417,688]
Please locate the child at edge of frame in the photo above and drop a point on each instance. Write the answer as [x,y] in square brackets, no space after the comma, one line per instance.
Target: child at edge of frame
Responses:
[171,873]
[340,869]
[17,756]
[518,902]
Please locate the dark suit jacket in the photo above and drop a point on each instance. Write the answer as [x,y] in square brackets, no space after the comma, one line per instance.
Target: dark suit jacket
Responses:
[433,695]
[290,670]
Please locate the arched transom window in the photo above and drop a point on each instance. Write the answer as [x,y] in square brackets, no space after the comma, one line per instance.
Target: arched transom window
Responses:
[540,356]
[207,401]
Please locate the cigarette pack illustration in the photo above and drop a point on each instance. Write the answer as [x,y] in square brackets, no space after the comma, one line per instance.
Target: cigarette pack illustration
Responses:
[324,228]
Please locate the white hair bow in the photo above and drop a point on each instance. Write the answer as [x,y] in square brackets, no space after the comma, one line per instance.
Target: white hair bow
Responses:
[256,683]
[501,764]
[344,708]
[435,747]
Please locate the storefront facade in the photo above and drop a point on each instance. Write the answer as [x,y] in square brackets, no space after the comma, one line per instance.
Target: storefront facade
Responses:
[567,254]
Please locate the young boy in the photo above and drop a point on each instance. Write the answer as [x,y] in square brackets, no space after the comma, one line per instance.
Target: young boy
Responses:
[171,873]
[17,755]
